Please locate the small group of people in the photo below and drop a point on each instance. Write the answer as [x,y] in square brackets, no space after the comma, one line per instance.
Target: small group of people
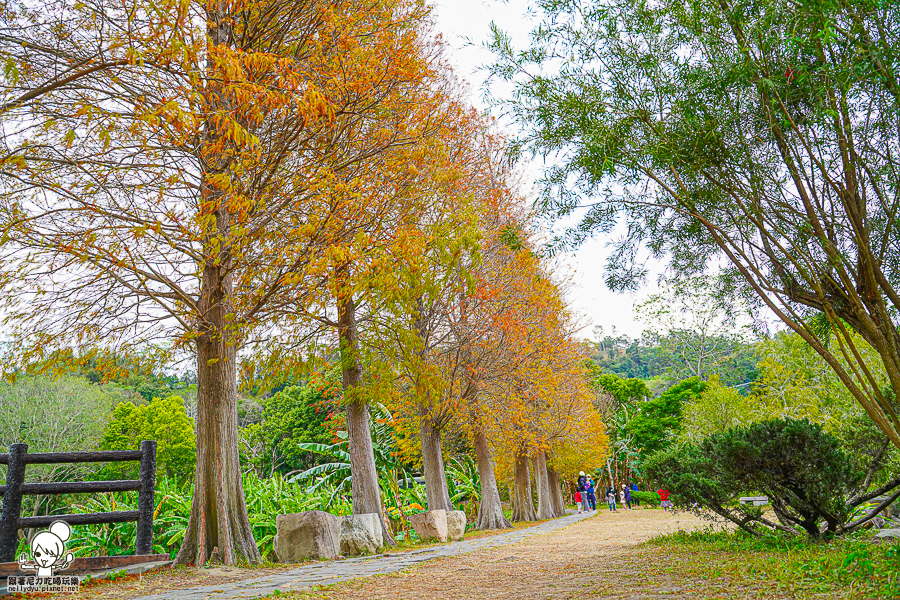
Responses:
[585,496]
[624,496]
[586,499]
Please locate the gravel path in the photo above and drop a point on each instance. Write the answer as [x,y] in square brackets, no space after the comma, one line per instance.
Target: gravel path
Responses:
[304,578]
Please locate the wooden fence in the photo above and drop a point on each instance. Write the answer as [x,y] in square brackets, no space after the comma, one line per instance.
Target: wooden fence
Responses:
[11,520]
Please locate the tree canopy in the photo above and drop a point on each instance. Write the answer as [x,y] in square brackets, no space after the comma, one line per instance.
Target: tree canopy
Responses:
[756,136]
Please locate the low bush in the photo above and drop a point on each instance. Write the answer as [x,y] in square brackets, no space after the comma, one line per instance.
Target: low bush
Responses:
[803,470]
[646,498]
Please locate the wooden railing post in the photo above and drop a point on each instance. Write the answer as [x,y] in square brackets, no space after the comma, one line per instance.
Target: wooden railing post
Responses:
[12,502]
[144,541]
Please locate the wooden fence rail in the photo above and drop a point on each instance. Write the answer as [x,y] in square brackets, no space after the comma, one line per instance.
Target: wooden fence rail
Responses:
[11,520]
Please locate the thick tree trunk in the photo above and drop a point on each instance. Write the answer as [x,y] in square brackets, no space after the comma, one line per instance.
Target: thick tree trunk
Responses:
[433,463]
[364,474]
[218,529]
[542,483]
[490,511]
[522,501]
[556,499]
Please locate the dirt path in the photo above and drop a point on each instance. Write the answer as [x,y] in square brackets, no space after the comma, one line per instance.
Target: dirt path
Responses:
[597,558]
[590,557]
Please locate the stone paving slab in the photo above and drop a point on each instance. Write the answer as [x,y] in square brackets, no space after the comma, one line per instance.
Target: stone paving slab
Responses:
[336,571]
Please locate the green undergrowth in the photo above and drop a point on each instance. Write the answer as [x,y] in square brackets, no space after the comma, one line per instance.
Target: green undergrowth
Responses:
[849,567]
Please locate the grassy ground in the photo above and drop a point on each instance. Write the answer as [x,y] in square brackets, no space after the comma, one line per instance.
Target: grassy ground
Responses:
[850,567]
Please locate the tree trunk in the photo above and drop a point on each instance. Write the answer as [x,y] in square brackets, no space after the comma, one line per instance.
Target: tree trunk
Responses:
[433,463]
[490,511]
[559,507]
[364,474]
[522,501]
[542,483]
[218,529]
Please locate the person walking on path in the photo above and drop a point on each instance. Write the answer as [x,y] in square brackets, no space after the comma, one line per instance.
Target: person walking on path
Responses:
[626,496]
[591,496]
[578,502]
[611,498]
[634,499]
[664,497]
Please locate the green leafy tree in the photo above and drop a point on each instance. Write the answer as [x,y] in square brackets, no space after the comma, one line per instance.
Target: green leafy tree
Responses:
[796,383]
[759,136]
[623,391]
[63,414]
[307,414]
[695,330]
[715,410]
[658,421]
[163,420]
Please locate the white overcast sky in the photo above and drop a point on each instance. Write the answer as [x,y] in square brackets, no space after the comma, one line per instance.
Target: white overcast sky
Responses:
[465,25]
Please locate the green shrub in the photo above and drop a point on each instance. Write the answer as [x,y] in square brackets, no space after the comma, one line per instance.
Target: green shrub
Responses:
[646,498]
[803,470]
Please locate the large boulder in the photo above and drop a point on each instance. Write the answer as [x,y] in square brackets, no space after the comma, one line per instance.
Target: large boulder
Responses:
[361,534]
[305,535]
[456,525]
[431,525]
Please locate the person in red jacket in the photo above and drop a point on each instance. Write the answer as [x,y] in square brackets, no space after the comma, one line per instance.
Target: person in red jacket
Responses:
[664,496]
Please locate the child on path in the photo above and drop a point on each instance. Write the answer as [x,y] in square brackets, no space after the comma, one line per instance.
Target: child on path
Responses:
[664,496]
[611,499]
[591,496]
[578,503]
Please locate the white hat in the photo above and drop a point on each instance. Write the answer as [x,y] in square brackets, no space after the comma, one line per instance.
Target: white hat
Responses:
[581,473]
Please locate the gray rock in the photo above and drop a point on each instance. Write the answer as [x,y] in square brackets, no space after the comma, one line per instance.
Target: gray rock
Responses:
[361,534]
[312,534]
[888,533]
[430,525]
[456,525]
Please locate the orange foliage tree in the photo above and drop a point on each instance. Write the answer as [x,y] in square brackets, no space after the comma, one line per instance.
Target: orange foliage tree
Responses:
[176,173]
[533,401]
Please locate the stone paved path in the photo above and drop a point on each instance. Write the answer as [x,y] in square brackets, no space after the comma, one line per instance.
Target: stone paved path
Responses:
[345,570]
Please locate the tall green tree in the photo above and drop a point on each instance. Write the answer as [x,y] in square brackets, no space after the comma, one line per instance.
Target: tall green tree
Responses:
[658,421]
[163,420]
[759,135]
[300,414]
